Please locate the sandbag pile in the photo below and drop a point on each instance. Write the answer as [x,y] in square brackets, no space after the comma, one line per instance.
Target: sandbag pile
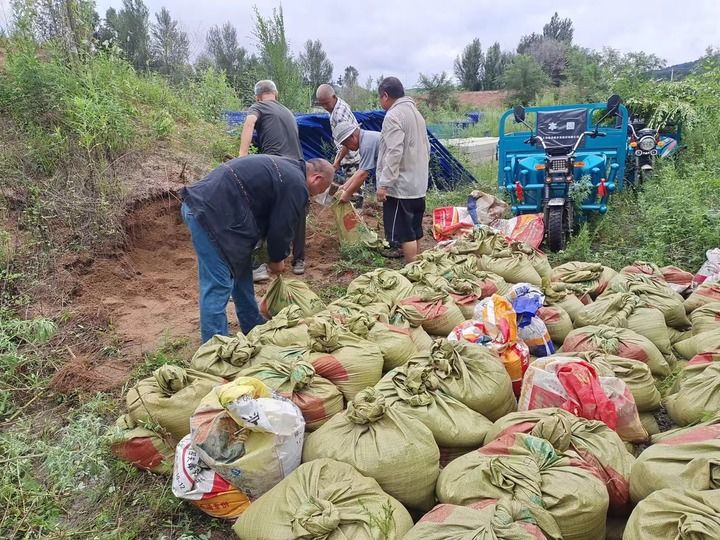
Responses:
[500,396]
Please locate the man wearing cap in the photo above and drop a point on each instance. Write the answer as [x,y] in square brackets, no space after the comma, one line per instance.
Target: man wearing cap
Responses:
[402,168]
[367,144]
[339,111]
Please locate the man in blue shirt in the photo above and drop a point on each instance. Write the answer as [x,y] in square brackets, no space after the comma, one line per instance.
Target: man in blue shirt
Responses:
[367,143]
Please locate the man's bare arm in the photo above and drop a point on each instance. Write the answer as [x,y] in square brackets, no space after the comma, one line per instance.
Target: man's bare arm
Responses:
[246,135]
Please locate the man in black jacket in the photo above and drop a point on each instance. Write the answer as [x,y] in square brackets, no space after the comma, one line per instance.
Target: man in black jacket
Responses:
[228,211]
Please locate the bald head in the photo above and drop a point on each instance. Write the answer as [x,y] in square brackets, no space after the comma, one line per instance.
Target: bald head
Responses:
[326,97]
[319,174]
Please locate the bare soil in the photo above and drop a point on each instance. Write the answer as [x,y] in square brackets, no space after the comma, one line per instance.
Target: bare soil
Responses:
[139,296]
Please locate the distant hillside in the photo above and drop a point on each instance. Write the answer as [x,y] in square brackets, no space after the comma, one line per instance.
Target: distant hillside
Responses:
[678,71]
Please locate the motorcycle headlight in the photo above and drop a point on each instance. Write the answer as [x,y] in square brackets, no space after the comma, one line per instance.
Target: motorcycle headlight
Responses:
[646,144]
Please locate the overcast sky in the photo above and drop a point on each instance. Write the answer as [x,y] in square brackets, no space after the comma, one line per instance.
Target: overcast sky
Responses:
[404,38]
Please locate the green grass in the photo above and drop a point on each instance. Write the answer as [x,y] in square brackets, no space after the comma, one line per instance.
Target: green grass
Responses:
[357,259]
[175,351]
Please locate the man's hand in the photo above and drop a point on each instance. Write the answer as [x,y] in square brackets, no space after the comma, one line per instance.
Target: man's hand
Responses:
[336,166]
[277,268]
[345,194]
[381,194]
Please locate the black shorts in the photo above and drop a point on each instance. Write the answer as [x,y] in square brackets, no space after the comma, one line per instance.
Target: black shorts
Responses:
[402,219]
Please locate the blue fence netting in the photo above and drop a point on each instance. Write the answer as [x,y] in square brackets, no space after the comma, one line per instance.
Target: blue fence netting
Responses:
[446,172]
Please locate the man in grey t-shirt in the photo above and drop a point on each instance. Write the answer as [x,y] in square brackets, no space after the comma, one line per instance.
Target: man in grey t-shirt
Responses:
[276,127]
[277,135]
[367,143]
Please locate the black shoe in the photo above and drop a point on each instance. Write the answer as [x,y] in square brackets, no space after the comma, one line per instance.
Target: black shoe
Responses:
[392,253]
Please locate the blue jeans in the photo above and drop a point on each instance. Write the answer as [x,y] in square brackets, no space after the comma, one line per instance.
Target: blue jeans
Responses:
[217,283]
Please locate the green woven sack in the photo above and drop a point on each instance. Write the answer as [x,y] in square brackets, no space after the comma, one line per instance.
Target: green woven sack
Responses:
[532,472]
[624,310]
[168,398]
[472,374]
[415,391]
[697,394]
[653,292]
[706,318]
[395,449]
[619,342]
[708,341]
[584,277]
[317,398]
[600,448]
[506,519]
[686,458]
[285,292]
[324,499]
[224,356]
[677,514]
[385,285]
[514,267]
[284,329]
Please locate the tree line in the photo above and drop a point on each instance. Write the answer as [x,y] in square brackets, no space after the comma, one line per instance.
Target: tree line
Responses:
[546,59]
[159,44]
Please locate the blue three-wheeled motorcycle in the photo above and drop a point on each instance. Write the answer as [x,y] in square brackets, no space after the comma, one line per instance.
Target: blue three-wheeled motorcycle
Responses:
[566,152]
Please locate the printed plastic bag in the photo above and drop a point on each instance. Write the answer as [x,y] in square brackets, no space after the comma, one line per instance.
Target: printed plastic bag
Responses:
[194,481]
[710,270]
[250,435]
[451,222]
[573,385]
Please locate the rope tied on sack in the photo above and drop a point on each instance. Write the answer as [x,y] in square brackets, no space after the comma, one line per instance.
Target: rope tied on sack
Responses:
[302,374]
[607,340]
[367,406]
[556,429]
[415,383]
[171,379]
[315,519]
[237,351]
[325,335]
[446,361]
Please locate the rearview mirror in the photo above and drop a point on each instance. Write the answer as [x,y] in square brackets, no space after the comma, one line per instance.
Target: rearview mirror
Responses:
[613,103]
[519,114]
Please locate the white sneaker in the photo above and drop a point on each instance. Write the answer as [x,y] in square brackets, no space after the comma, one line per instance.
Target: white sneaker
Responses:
[261,274]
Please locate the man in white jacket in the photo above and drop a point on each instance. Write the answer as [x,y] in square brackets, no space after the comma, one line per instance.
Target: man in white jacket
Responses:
[402,168]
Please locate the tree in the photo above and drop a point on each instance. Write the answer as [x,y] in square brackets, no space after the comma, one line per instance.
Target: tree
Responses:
[527,43]
[495,63]
[225,54]
[551,55]
[586,74]
[559,29]
[524,78]
[67,23]
[350,77]
[469,66]
[131,26]
[438,87]
[639,65]
[277,63]
[169,45]
[316,67]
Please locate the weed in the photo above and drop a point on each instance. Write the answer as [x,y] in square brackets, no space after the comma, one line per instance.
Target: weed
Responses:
[383,521]
[357,259]
[329,293]
[170,352]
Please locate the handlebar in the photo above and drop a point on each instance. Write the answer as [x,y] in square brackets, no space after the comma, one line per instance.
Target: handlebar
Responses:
[592,134]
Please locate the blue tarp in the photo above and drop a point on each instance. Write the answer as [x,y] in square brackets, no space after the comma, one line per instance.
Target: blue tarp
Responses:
[446,172]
